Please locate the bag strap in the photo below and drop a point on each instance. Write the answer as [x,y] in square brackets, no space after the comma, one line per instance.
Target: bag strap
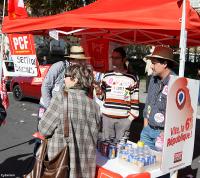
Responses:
[66,120]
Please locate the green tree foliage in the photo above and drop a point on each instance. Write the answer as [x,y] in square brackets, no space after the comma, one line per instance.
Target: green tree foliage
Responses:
[51,7]
[135,55]
[135,52]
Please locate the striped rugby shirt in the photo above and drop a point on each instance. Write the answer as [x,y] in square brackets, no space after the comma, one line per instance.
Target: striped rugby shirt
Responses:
[121,95]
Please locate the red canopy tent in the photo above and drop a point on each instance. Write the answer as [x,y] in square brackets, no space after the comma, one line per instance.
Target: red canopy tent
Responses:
[134,22]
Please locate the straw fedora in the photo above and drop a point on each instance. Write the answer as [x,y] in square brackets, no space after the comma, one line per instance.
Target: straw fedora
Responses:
[162,52]
[77,52]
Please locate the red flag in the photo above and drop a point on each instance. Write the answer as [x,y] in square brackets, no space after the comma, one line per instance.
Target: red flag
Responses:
[4,94]
[16,9]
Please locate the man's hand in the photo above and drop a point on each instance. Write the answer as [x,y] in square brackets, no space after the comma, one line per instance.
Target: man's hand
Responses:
[131,117]
[145,122]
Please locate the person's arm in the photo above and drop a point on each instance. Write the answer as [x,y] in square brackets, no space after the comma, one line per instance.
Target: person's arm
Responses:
[147,108]
[134,96]
[145,113]
[145,122]
[47,86]
[99,87]
[49,83]
[51,117]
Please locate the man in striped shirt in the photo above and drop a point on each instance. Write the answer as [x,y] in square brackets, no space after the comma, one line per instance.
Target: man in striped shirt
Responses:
[121,98]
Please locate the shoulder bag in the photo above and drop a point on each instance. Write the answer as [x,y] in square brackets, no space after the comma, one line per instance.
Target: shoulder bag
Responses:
[58,167]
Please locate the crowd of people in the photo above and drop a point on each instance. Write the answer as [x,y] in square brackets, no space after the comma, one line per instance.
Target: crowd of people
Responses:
[118,91]
[100,104]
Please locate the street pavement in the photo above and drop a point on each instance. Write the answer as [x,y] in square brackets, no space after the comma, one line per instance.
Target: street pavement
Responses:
[16,141]
[16,144]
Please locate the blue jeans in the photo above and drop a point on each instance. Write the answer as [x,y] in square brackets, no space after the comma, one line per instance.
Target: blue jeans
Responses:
[149,135]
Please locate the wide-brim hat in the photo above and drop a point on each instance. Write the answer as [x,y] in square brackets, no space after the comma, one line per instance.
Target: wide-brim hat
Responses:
[162,52]
[77,52]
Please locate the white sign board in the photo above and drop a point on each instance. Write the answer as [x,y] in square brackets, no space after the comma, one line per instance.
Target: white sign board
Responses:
[25,65]
[180,123]
[54,34]
[23,54]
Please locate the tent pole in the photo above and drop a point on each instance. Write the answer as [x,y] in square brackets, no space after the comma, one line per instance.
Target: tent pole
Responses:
[182,46]
[2,42]
[183,41]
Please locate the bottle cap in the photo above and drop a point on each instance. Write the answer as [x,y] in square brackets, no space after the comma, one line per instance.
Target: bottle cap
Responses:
[140,144]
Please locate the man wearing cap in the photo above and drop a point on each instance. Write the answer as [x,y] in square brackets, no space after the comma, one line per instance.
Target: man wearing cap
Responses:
[54,79]
[155,106]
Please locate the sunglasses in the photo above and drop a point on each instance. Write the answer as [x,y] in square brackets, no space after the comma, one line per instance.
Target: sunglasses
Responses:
[67,75]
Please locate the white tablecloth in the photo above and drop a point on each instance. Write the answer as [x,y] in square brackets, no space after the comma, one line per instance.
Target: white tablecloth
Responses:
[124,168]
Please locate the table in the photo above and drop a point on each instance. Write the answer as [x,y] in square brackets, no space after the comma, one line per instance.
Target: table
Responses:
[125,169]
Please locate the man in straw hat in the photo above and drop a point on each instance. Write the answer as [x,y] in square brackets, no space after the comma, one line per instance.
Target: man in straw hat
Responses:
[155,107]
[54,79]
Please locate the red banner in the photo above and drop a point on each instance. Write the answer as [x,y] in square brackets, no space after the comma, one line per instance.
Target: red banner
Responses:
[98,51]
[21,44]
[16,9]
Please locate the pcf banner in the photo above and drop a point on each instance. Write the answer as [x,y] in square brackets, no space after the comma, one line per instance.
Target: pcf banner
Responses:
[23,54]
